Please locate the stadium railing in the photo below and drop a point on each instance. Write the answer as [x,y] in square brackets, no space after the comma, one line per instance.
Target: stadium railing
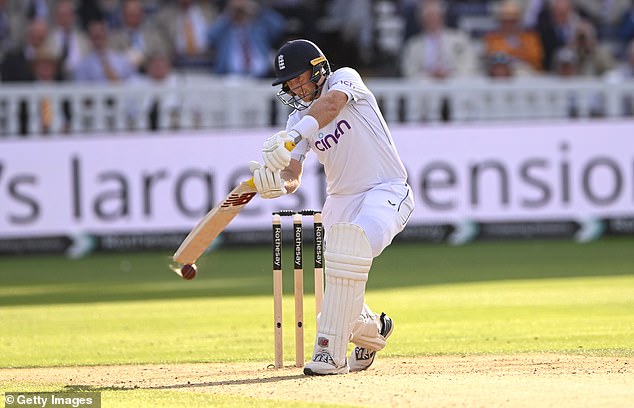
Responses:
[211,102]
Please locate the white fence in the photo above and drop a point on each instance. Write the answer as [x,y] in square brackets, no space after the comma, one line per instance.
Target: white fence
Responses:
[207,103]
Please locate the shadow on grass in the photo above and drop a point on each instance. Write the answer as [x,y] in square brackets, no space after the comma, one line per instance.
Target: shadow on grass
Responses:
[247,271]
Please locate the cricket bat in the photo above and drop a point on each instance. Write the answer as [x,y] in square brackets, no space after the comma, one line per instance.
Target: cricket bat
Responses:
[212,224]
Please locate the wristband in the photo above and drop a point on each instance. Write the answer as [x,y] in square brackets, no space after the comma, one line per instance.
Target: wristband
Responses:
[306,127]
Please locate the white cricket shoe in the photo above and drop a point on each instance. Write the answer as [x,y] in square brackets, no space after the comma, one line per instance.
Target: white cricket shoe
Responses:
[323,364]
[361,358]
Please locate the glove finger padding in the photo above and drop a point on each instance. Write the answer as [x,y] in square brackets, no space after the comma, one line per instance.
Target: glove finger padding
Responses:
[268,183]
[253,166]
[274,152]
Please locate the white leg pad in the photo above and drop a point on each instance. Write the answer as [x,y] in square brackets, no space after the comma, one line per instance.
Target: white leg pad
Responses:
[365,330]
[348,259]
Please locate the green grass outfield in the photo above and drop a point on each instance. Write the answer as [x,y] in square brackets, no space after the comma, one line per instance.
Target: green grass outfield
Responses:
[481,298]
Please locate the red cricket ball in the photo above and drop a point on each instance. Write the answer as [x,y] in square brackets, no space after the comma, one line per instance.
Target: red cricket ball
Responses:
[188,271]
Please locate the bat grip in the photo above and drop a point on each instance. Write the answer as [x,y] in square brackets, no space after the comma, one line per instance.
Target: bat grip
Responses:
[290,145]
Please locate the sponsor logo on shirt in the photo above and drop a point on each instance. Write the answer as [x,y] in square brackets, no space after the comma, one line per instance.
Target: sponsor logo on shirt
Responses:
[325,142]
[347,83]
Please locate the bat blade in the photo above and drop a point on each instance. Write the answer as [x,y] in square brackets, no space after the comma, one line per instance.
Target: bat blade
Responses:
[212,224]
[217,220]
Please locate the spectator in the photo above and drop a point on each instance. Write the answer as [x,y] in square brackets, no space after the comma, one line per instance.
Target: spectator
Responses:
[243,37]
[566,63]
[566,66]
[512,40]
[605,15]
[138,36]
[625,32]
[11,22]
[45,64]
[184,25]
[556,27]
[16,65]
[103,64]
[594,58]
[157,72]
[158,69]
[437,52]
[68,41]
[500,65]
[624,72]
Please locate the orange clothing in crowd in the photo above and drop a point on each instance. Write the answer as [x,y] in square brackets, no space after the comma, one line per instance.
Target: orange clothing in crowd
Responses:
[524,46]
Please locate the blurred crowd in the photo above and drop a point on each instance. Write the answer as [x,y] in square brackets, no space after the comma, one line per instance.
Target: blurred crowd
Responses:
[521,38]
[147,40]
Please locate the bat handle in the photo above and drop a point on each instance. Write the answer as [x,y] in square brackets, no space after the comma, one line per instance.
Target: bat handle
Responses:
[290,145]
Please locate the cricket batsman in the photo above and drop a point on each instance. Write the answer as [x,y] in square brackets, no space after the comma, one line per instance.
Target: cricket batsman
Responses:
[368,199]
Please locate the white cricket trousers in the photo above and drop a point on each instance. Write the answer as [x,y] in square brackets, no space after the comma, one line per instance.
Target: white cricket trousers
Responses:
[382,212]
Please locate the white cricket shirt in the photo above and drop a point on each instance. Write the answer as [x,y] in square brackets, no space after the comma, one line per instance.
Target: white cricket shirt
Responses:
[356,148]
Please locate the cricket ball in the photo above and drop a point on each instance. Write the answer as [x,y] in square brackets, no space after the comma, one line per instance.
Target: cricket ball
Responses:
[188,271]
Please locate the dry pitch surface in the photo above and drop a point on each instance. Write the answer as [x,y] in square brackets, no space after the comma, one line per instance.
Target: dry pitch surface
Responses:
[531,380]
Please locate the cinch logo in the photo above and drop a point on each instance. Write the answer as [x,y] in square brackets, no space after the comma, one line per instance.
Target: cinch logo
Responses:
[280,62]
[349,84]
[332,139]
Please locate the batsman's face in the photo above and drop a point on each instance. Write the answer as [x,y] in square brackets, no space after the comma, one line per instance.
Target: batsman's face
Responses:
[302,86]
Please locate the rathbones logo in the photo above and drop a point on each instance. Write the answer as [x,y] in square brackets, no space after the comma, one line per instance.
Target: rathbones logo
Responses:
[328,141]
[280,61]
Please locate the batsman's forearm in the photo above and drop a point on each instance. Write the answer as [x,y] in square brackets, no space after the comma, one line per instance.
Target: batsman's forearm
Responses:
[292,176]
[291,186]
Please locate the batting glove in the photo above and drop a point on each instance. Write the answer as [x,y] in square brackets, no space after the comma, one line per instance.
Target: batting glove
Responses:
[274,152]
[268,183]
